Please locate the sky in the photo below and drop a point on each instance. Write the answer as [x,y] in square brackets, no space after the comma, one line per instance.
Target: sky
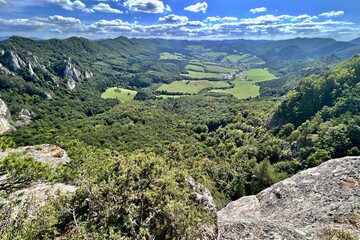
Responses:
[181,19]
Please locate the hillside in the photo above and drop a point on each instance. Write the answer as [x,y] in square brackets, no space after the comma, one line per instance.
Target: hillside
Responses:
[355,41]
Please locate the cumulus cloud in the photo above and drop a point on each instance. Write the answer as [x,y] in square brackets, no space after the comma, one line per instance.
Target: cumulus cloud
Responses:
[258,10]
[212,19]
[103,7]
[71,5]
[304,17]
[332,14]
[172,18]
[229,19]
[148,6]
[180,27]
[198,7]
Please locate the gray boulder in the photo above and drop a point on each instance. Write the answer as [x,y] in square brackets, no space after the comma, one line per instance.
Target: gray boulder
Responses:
[321,200]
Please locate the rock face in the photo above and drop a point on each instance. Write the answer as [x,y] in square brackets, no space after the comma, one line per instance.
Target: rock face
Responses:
[11,60]
[5,126]
[301,207]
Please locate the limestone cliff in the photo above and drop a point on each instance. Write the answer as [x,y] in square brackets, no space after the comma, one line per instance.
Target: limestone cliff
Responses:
[309,205]
[5,126]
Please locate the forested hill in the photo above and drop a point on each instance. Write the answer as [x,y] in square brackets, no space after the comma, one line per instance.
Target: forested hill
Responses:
[335,93]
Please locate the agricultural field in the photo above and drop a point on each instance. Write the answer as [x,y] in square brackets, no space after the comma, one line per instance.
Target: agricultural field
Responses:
[122,94]
[170,56]
[244,89]
[259,75]
[219,69]
[202,75]
[214,54]
[244,58]
[196,68]
[191,87]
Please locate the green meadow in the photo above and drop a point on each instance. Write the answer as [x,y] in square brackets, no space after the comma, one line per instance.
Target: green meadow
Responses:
[245,89]
[244,58]
[214,54]
[122,94]
[196,68]
[202,75]
[170,56]
[259,74]
[186,86]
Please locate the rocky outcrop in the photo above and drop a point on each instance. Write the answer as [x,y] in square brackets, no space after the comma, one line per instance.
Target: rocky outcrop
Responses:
[5,126]
[71,72]
[45,153]
[301,207]
[11,60]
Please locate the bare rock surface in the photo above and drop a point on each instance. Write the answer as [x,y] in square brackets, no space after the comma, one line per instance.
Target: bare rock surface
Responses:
[300,207]
[45,153]
[5,126]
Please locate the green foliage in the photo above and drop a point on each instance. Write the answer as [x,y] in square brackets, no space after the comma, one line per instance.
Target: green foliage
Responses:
[21,171]
[6,142]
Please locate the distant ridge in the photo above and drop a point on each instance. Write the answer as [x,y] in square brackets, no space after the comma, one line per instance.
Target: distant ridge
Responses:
[355,41]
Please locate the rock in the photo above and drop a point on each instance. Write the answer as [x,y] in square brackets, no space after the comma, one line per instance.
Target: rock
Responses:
[34,197]
[71,84]
[301,207]
[12,61]
[3,69]
[31,71]
[88,74]
[5,126]
[3,108]
[45,153]
[25,113]
[203,196]
[71,72]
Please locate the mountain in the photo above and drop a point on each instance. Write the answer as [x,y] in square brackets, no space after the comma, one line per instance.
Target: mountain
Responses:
[318,203]
[300,48]
[355,41]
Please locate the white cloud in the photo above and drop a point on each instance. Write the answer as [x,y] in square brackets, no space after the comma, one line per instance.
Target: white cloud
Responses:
[198,7]
[212,19]
[180,27]
[304,17]
[103,7]
[229,19]
[70,5]
[148,6]
[258,10]
[172,18]
[332,14]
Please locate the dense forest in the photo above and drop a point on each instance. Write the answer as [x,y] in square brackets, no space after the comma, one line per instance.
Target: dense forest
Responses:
[131,161]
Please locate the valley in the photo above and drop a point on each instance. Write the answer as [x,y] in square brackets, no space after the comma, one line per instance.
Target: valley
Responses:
[145,123]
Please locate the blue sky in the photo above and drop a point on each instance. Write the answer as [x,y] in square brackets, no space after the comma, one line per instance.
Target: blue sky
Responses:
[181,19]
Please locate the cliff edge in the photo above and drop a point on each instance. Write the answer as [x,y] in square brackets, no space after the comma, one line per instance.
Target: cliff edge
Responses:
[312,204]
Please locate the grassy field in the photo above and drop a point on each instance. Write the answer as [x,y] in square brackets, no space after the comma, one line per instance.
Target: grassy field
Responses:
[202,75]
[245,89]
[214,54]
[245,58]
[219,69]
[122,94]
[195,68]
[259,74]
[186,86]
[170,56]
